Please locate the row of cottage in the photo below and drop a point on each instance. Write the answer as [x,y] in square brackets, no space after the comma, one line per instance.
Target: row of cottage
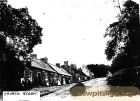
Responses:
[41,73]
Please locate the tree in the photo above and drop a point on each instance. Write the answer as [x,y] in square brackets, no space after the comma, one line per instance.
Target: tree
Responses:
[124,35]
[99,70]
[18,31]
[121,62]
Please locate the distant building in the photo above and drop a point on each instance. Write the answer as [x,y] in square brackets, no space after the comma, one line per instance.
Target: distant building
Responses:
[63,76]
[72,69]
[87,72]
[83,76]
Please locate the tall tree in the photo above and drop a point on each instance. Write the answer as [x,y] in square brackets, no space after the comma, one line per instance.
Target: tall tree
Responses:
[18,30]
[19,33]
[124,34]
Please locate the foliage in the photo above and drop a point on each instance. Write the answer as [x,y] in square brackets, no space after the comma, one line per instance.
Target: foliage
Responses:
[99,70]
[123,47]
[19,33]
[124,34]
[121,62]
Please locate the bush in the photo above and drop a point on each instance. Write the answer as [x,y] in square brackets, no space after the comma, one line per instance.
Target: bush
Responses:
[125,77]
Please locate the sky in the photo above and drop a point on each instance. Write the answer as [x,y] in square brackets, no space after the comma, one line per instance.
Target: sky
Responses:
[73,30]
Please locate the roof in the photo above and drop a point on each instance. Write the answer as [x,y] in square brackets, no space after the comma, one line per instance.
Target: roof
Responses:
[81,73]
[65,72]
[60,71]
[86,71]
[41,65]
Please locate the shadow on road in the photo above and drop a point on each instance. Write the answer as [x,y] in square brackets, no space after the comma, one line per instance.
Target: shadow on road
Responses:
[77,89]
[124,91]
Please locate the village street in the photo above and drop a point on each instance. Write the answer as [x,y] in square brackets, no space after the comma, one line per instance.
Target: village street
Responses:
[64,93]
[94,91]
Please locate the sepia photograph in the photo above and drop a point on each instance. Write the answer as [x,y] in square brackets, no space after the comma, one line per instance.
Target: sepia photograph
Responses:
[69,50]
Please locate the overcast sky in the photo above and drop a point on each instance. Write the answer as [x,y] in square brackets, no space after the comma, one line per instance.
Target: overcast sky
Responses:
[72,29]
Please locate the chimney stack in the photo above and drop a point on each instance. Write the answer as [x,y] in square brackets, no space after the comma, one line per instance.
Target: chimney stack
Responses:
[58,65]
[45,59]
[66,63]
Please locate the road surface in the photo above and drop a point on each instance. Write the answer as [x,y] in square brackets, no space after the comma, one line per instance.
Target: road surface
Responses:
[94,91]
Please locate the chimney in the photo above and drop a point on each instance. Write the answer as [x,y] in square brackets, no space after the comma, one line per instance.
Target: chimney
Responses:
[33,56]
[58,65]
[45,59]
[66,63]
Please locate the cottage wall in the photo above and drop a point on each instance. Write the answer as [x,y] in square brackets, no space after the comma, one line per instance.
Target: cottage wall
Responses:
[38,77]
